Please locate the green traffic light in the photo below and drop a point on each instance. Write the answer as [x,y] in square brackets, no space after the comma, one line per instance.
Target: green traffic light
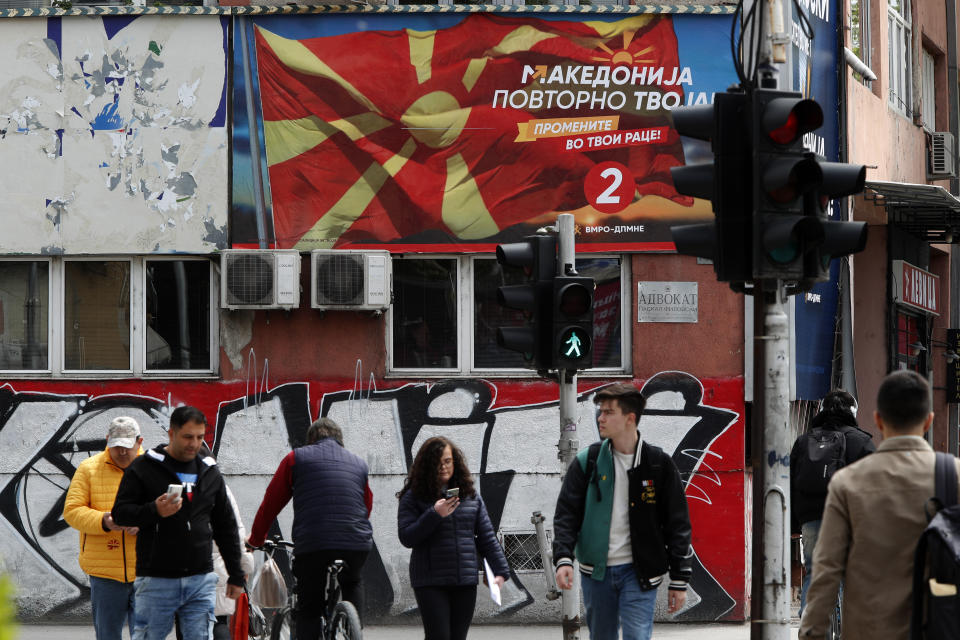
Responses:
[574,343]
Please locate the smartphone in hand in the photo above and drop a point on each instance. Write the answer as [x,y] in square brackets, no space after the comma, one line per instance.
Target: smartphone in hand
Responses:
[174,491]
[453,493]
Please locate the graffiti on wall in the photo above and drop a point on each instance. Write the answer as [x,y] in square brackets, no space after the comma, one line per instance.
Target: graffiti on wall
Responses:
[108,114]
[508,436]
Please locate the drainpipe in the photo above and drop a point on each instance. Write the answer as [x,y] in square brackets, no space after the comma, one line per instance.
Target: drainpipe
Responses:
[953,413]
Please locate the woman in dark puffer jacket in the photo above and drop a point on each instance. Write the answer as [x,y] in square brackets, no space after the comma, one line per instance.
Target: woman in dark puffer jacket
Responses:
[446,535]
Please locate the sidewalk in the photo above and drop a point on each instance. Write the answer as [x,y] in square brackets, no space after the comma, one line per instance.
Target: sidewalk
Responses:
[731,631]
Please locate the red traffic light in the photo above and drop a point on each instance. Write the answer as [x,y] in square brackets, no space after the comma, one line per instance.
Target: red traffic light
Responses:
[786,119]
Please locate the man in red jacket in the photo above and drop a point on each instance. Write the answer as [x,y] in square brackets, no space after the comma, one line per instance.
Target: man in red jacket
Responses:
[331,519]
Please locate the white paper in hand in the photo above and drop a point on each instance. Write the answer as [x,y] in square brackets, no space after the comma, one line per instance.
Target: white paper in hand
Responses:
[494,587]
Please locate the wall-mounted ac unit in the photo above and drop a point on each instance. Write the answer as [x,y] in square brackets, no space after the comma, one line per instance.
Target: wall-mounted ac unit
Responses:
[260,279]
[350,279]
[942,153]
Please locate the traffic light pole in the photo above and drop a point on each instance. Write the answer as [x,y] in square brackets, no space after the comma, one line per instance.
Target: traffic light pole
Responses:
[568,445]
[770,615]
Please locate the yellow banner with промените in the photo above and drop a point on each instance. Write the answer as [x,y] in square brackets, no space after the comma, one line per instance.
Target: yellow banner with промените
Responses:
[562,127]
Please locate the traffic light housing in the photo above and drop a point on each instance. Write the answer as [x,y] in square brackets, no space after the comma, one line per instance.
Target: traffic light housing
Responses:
[572,309]
[725,182]
[783,173]
[537,256]
[840,238]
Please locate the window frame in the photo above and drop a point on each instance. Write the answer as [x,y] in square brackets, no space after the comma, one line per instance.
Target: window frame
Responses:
[928,90]
[862,30]
[214,347]
[899,92]
[51,329]
[56,329]
[465,329]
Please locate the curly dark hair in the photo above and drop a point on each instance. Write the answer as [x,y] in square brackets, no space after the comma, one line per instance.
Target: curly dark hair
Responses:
[423,479]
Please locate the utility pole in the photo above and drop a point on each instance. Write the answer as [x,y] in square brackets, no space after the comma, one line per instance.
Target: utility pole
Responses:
[557,336]
[770,614]
[568,445]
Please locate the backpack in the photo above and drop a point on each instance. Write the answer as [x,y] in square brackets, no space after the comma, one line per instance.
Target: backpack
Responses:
[824,452]
[936,564]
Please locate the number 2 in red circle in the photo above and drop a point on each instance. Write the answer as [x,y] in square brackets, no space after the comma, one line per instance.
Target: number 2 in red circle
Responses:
[609,187]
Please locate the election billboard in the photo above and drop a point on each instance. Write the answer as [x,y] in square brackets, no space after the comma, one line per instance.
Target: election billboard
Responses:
[456,131]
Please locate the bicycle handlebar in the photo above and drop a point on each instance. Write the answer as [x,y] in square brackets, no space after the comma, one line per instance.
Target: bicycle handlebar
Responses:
[272,543]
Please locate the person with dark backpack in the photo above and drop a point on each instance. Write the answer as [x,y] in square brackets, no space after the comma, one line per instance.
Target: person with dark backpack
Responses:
[936,564]
[873,519]
[833,441]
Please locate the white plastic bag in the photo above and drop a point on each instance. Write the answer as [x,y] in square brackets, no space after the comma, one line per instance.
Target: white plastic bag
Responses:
[269,591]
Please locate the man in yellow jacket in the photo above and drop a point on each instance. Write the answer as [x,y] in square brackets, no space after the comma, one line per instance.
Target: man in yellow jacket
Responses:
[107,550]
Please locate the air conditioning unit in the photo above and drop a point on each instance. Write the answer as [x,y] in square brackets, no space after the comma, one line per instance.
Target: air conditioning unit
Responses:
[350,280]
[260,279]
[942,155]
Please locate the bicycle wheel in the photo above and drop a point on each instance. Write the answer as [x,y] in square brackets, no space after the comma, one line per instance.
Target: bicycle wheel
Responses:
[346,622]
[283,627]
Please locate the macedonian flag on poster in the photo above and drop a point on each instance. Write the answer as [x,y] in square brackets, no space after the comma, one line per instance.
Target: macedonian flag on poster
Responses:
[450,132]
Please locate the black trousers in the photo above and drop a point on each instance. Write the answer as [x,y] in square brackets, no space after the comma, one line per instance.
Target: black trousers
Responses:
[310,569]
[446,611]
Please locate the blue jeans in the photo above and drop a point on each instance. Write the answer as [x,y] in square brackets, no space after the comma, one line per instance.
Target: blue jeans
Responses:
[159,599]
[112,605]
[809,531]
[618,601]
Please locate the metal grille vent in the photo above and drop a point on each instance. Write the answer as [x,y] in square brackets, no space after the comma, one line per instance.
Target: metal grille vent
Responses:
[522,551]
[250,279]
[340,279]
[941,154]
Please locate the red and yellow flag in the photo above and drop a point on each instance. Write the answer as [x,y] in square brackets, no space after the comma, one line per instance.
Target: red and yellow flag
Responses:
[379,136]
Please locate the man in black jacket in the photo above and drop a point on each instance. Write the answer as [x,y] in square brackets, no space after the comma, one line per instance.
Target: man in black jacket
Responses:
[622,513]
[175,574]
[833,428]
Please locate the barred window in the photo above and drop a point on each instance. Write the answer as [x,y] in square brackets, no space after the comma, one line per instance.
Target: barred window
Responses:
[523,551]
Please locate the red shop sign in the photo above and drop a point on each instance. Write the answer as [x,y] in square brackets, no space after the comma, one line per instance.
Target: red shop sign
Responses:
[914,287]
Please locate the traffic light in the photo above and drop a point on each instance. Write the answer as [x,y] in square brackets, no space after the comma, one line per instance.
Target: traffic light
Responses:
[537,256]
[794,238]
[572,322]
[725,182]
[840,238]
[783,172]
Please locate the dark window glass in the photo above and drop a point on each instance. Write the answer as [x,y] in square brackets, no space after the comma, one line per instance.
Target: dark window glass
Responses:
[24,311]
[488,314]
[96,315]
[425,313]
[178,314]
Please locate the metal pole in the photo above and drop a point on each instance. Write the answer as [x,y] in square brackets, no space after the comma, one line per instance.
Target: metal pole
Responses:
[568,445]
[546,556]
[774,471]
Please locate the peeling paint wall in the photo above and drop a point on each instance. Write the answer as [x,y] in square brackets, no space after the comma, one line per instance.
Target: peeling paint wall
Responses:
[113,135]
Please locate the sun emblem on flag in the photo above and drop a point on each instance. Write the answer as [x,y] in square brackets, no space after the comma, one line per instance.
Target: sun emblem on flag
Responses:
[623,56]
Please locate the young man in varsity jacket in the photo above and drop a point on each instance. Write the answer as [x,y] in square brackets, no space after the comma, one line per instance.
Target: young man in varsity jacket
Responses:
[622,514]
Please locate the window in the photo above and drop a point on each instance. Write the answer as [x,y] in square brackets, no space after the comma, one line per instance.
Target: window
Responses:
[928,97]
[898,22]
[445,315]
[114,316]
[860,32]
[911,349]
[24,299]
[177,315]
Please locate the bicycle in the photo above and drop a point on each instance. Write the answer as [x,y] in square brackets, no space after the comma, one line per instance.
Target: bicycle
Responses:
[340,619]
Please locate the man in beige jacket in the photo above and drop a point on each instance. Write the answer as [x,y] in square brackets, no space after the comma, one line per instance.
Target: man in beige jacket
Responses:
[872,521]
